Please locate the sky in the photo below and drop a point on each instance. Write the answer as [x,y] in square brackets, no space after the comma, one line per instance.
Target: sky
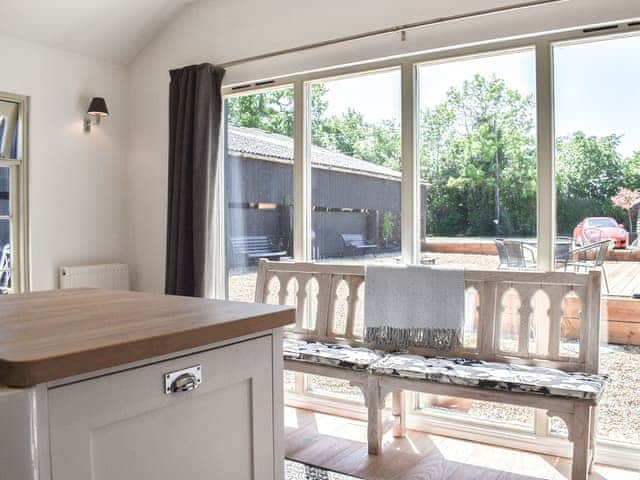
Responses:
[597,87]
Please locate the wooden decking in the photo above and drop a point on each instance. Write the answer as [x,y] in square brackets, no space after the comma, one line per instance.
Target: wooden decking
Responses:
[340,444]
[624,278]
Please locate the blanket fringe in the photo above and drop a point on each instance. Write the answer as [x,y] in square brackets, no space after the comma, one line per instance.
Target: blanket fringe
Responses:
[403,338]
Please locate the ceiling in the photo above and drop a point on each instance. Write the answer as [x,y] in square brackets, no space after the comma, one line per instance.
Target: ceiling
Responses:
[112,30]
[117,30]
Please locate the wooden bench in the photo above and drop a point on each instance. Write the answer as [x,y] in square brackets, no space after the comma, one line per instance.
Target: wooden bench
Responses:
[327,340]
[254,248]
[355,242]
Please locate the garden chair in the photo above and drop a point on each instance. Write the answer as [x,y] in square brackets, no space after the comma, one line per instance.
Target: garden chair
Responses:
[502,253]
[562,248]
[356,242]
[589,257]
[520,256]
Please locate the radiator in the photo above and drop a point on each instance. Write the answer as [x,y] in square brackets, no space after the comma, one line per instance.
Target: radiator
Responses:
[114,276]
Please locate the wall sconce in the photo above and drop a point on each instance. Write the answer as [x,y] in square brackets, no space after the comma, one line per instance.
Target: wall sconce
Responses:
[97,109]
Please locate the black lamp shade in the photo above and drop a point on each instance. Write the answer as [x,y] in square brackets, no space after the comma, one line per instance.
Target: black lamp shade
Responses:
[98,107]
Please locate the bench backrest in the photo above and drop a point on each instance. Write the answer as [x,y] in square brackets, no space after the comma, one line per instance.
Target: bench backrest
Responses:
[253,244]
[510,316]
[353,239]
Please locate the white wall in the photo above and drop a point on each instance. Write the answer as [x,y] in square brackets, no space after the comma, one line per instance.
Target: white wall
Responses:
[77,181]
[220,31]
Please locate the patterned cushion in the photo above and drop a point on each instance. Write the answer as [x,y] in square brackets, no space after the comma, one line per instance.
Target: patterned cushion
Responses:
[343,356]
[492,375]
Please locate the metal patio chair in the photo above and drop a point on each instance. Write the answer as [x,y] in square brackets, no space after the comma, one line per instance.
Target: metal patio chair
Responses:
[587,257]
[520,256]
[562,248]
[502,253]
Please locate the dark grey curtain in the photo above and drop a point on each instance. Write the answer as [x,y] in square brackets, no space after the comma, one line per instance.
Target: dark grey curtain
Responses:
[195,106]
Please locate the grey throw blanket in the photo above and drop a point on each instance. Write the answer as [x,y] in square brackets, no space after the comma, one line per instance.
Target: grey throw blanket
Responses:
[414,306]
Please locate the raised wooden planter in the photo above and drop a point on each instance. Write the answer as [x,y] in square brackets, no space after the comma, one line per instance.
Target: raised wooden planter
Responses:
[623,320]
[488,247]
[474,247]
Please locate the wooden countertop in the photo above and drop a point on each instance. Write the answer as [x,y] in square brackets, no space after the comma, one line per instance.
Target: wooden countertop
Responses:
[46,336]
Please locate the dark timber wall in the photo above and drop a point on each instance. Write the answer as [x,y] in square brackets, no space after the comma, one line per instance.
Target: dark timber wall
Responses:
[4,206]
[251,183]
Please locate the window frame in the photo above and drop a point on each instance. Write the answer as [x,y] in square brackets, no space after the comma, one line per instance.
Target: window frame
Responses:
[18,206]
[609,452]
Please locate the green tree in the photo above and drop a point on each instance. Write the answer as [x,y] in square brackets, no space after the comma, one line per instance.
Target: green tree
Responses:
[272,111]
[632,171]
[348,133]
[589,166]
[478,155]
[589,172]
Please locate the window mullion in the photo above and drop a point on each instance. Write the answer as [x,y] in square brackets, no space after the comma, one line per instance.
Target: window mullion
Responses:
[546,178]
[546,195]
[302,172]
[410,207]
[220,272]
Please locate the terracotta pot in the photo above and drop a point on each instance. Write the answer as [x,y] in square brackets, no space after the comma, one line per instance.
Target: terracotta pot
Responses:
[453,403]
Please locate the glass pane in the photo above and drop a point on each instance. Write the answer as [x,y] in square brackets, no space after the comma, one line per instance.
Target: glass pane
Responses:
[5,256]
[356,177]
[333,387]
[505,415]
[258,186]
[478,160]
[478,171]
[598,193]
[5,183]
[9,129]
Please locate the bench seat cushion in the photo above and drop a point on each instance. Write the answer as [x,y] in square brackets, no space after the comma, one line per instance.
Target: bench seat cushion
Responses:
[492,375]
[343,356]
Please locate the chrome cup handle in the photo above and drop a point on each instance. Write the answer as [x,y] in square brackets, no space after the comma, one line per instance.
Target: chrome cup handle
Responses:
[184,383]
[183,380]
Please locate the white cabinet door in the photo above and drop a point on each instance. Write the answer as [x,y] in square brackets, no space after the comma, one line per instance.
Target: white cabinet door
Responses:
[123,426]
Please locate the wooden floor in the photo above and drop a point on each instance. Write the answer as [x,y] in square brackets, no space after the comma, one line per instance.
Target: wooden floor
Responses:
[339,444]
[624,278]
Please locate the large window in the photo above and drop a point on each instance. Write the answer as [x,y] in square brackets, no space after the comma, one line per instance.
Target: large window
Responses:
[477,152]
[597,141]
[356,185]
[258,187]
[356,168]
[463,143]
[12,194]
[478,157]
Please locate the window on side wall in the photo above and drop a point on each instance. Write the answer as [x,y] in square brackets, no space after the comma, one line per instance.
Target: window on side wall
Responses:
[13,183]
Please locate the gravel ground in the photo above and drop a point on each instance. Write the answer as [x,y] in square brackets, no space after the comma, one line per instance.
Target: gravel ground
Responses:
[619,416]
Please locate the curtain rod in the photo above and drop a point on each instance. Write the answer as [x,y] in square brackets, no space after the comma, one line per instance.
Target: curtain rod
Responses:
[397,28]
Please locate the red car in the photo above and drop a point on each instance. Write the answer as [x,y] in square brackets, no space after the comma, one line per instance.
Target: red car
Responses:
[594,229]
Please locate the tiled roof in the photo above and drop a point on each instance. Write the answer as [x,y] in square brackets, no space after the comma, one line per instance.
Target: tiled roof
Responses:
[252,141]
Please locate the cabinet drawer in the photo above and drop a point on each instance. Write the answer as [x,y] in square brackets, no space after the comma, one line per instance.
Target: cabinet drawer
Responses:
[124,426]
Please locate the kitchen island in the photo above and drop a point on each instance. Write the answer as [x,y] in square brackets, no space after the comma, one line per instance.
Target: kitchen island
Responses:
[99,384]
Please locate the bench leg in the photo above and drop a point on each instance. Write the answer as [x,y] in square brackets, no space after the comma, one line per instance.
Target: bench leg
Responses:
[592,437]
[580,435]
[374,418]
[399,410]
[580,426]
